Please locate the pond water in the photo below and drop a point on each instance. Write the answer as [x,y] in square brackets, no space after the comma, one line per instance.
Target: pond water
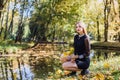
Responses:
[44,67]
[101,54]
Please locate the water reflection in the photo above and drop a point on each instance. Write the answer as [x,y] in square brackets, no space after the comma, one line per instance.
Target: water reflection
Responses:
[23,73]
[101,54]
[15,68]
[43,67]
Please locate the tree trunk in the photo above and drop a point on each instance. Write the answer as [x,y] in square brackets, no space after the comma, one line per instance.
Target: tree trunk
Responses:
[10,29]
[119,21]
[2,4]
[6,26]
[119,36]
[98,30]
[114,7]
[119,9]
[105,22]
[40,35]
[53,38]
[20,25]
[19,33]
[1,24]
[106,17]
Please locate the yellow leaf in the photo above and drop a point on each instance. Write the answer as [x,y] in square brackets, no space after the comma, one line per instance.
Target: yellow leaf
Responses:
[66,72]
[99,76]
[71,50]
[80,77]
[59,71]
[106,65]
[94,61]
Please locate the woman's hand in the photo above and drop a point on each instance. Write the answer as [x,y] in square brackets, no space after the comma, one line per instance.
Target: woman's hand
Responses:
[65,58]
[73,57]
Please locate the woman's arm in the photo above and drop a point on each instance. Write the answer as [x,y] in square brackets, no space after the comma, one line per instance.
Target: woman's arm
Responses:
[87,47]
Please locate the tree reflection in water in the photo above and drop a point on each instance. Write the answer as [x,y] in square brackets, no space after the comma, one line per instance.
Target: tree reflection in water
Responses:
[15,69]
[105,54]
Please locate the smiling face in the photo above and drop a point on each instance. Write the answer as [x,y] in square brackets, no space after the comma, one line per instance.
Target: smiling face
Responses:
[79,29]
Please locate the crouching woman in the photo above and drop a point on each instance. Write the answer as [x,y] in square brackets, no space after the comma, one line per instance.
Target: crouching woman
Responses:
[80,59]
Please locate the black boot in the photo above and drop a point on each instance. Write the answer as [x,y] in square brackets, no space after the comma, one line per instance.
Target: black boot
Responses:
[84,72]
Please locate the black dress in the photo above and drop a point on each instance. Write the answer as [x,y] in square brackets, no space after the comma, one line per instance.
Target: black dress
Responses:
[82,47]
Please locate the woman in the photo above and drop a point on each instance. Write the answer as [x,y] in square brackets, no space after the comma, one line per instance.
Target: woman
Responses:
[80,59]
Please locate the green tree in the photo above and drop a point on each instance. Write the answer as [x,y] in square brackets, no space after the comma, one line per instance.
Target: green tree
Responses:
[2,4]
[55,15]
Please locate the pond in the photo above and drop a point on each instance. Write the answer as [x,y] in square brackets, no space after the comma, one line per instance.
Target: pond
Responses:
[42,68]
[101,54]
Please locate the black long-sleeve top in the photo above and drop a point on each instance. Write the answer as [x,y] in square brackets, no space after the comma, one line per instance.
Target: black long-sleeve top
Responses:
[81,45]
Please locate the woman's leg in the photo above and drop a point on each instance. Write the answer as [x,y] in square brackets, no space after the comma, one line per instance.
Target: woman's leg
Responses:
[84,72]
[84,65]
[71,66]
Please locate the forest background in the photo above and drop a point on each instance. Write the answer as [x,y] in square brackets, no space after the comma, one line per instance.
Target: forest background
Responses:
[54,20]
[26,23]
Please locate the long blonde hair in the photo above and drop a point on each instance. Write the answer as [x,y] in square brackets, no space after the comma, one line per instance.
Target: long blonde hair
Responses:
[81,24]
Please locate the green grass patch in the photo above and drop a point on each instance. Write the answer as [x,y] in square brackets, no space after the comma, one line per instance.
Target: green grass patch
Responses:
[10,46]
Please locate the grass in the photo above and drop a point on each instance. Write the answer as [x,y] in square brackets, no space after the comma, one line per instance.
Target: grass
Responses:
[109,67]
[10,46]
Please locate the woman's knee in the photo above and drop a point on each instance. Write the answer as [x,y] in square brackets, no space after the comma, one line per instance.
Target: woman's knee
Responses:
[63,60]
[64,65]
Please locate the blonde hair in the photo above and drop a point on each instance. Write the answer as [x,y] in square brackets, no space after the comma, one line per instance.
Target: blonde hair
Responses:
[81,24]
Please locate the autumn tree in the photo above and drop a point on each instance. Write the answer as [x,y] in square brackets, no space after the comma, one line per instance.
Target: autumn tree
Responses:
[107,8]
[51,18]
